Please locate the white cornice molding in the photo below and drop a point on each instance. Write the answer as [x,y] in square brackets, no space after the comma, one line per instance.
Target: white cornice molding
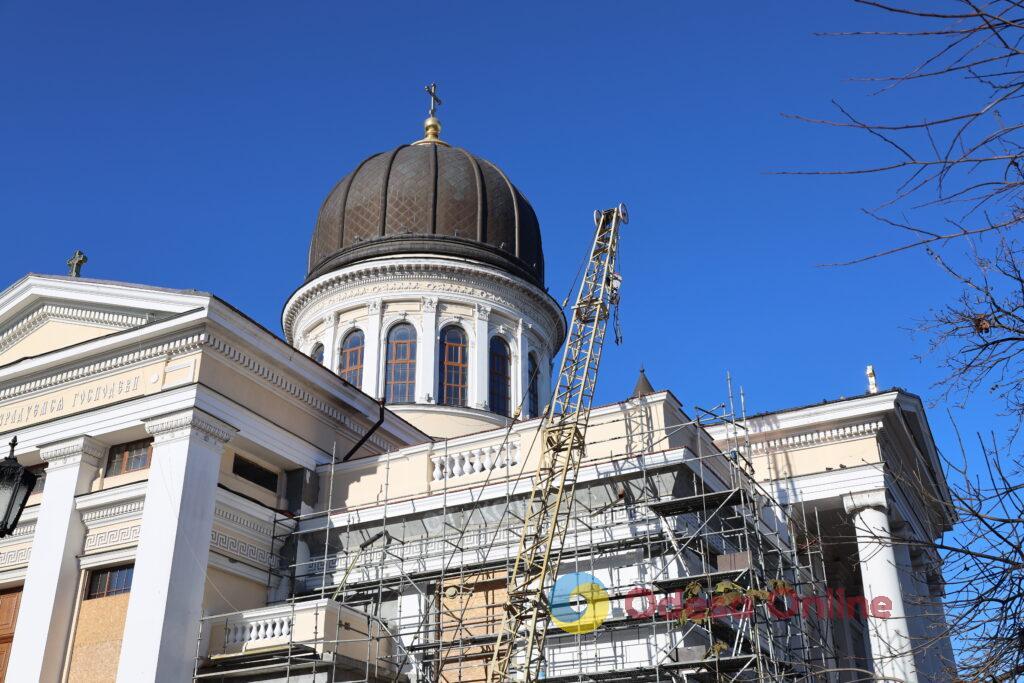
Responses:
[82,449]
[34,288]
[114,513]
[859,409]
[428,276]
[96,504]
[76,314]
[173,347]
[184,424]
[817,437]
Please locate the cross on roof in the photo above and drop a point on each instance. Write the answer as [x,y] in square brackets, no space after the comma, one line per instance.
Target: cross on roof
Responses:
[76,262]
[434,99]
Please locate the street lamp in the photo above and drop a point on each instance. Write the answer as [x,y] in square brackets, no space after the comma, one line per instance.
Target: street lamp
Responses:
[16,483]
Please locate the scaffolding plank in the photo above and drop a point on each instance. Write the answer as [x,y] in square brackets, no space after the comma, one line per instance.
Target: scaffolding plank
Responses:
[706,502]
[707,577]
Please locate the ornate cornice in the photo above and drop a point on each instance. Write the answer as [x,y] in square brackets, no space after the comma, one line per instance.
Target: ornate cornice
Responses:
[33,321]
[23,530]
[173,347]
[817,437]
[188,422]
[436,278]
[83,449]
[124,509]
[281,382]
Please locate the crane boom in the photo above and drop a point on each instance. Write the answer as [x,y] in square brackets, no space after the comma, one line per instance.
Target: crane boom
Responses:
[519,649]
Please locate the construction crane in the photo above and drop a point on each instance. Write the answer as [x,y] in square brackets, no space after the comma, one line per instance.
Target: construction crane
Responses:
[519,648]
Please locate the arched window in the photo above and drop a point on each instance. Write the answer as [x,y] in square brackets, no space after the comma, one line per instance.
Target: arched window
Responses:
[533,392]
[400,366]
[454,367]
[317,353]
[499,380]
[350,366]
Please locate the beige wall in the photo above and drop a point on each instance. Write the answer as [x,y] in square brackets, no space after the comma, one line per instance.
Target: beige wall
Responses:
[782,464]
[239,485]
[53,334]
[408,474]
[226,592]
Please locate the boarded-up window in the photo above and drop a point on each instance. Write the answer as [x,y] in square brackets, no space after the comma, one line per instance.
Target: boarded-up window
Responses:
[470,607]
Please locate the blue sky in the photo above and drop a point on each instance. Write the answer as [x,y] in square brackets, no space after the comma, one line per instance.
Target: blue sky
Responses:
[135,132]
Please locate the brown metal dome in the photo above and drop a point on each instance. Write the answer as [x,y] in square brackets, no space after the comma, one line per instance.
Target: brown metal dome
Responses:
[427,198]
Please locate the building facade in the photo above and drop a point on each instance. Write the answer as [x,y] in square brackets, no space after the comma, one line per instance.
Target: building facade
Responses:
[344,504]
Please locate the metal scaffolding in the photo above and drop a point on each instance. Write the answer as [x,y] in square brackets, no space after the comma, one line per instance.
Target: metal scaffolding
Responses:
[396,595]
[461,586]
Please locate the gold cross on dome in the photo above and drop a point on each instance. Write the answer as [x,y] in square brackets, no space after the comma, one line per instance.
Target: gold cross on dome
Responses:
[434,99]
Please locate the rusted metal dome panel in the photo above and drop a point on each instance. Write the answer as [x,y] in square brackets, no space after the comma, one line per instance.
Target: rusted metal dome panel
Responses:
[427,198]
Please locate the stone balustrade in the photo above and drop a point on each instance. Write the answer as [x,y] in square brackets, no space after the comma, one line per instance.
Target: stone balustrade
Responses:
[323,626]
[470,461]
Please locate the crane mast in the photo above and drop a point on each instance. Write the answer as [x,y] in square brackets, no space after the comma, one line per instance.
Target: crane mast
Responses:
[519,649]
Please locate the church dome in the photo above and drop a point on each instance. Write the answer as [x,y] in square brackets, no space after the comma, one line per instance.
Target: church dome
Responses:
[427,198]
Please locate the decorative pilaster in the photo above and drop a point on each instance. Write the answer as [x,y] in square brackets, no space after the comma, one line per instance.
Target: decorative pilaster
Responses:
[889,636]
[48,598]
[330,342]
[426,357]
[372,351]
[165,606]
[479,365]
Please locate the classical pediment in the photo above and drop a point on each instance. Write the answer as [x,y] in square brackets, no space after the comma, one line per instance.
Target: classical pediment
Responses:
[49,327]
[41,313]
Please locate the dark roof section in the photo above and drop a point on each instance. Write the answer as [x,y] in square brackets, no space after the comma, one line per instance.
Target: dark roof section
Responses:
[427,199]
[643,386]
[830,401]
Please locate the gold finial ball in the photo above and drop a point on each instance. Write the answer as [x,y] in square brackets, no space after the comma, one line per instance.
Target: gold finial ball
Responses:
[432,127]
[431,132]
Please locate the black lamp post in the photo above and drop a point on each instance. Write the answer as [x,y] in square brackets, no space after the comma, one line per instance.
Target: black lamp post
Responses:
[16,483]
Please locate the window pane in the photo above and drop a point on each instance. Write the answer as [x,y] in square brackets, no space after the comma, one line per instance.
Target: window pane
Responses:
[533,394]
[257,474]
[129,457]
[454,372]
[317,353]
[351,365]
[400,365]
[109,581]
[500,377]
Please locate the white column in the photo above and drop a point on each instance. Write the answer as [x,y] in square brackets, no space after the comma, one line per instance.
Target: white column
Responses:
[48,599]
[166,600]
[479,367]
[373,345]
[924,631]
[945,661]
[520,369]
[426,352]
[330,342]
[913,600]
[891,651]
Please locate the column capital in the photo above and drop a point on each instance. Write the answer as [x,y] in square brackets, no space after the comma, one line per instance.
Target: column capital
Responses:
[81,449]
[184,423]
[855,502]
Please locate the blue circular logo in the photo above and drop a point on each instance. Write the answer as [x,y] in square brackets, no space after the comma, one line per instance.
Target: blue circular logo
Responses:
[579,603]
